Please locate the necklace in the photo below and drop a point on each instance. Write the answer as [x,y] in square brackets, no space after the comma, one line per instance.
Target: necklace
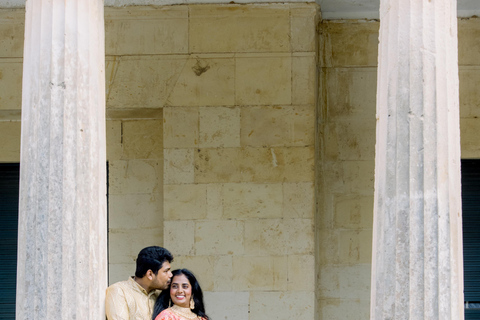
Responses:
[183,312]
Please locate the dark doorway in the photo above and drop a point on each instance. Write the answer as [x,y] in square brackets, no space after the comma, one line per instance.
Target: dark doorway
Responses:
[9,188]
[471,236]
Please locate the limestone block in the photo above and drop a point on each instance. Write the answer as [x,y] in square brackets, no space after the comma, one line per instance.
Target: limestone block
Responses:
[355,139]
[141,81]
[303,24]
[259,273]
[135,176]
[278,126]
[292,164]
[242,201]
[469,78]
[239,28]
[468,46]
[298,200]
[325,219]
[333,174]
[359,176]
[120,271]
[349,44]
[178,166]
[10,141]
[185,202]
[114,140]
[301,273]
[124,244]
[142,139]
[304,78]
[350,177]
[344,282]
[223,273]
[11,115]
[131,211]
[330,141]
[470,145]
[206,80]
[355,246]
[201,266]
[12,29]
[279,236]
[146,30]
[329,254]
[179,237]
[134,114]
[353,211]
[263,79]
[300,236]
[219,127]
[180,127]
[219,237]
[267,236]
[10,83]
[345,309]
[351,92]
[282,305]
[227,305]
[214,201]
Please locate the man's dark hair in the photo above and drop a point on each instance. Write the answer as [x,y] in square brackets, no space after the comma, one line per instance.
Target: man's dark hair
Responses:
[151,258]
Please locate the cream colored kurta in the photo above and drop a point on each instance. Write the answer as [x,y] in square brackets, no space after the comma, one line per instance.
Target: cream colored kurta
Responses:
[127,300]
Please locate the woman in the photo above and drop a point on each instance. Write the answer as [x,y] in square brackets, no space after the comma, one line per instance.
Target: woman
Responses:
[183,300]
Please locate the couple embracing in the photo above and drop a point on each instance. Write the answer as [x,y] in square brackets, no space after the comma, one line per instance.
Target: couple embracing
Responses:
[139,297]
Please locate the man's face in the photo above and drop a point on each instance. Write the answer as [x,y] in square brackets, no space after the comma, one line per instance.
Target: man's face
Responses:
[162,279]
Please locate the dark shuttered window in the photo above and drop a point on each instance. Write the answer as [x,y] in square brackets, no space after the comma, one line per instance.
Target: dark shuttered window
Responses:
[9,180]
[471,236]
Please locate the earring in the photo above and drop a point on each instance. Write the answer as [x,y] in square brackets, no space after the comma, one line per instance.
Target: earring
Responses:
[192,304]
[169,303]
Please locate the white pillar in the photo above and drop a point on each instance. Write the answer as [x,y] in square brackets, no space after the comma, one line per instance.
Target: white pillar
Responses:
[417,266]
[62,260]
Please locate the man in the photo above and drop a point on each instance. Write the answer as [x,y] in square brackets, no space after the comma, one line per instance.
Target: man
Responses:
[134,298]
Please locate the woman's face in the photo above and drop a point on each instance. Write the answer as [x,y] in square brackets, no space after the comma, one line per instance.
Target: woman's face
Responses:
[181,291]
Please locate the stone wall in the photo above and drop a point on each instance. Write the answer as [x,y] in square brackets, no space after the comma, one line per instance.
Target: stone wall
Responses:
[12,25]
[348,51]
[210,146]
[239,122]
[469,78]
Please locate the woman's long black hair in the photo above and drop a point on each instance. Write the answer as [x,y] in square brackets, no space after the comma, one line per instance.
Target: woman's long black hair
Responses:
[164,300]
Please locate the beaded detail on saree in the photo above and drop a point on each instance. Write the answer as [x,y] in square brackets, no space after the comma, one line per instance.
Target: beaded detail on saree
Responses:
[183,312]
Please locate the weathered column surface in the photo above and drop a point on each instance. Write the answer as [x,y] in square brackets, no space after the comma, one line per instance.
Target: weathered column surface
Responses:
[62,261]
[417,268]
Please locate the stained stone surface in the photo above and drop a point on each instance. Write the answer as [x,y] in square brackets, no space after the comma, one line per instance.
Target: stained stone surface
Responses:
[62,247]
[417,267]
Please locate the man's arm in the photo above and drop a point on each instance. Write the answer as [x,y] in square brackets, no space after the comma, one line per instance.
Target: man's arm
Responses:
[116,307]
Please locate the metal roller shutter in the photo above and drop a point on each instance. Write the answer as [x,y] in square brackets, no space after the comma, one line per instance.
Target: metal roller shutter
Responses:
[471,236]
[9,183]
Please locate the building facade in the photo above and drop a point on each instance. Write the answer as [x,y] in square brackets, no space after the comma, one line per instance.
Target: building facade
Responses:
[242,138]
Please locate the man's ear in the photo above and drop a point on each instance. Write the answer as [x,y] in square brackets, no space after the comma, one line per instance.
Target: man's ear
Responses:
[149,274]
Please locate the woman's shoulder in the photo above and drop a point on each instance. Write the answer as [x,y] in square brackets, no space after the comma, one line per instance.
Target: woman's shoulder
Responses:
[166,314]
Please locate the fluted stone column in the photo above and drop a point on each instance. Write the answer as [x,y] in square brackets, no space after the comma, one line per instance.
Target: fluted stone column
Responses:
[417,267]
[62,261]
